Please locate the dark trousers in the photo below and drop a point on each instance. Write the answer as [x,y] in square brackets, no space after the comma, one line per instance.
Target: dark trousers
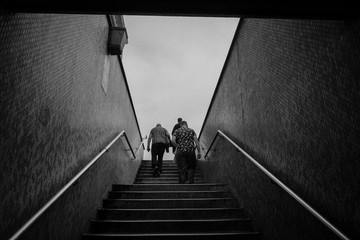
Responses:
[157,153]
[186,162]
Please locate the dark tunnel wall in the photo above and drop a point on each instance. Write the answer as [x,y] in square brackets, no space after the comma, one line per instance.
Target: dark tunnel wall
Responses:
[289,95]
[56,117]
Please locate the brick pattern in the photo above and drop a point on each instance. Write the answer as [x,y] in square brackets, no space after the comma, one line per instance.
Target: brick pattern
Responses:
[56,61]
[289,96]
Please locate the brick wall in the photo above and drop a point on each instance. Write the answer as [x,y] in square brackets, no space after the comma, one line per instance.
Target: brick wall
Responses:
[52,65]
[289,95]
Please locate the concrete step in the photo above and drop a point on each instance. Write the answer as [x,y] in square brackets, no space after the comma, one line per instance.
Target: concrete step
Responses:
[171,203]
[161,176]
[150,171]
[170,226]
[165,182]
[170,166]
[171,187]
[164,165]
[168,194]
[174,236]
[161,179]
[164,174]
[163,168]
[166,162]
[170,213]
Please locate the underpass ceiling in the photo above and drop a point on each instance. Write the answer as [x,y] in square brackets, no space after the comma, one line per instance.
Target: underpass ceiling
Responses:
[223,8]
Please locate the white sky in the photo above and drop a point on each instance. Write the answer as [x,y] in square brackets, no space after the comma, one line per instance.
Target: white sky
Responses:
[172,65]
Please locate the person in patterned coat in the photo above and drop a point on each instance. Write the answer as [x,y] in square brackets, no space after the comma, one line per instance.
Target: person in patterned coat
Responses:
[177,126]
[186,141]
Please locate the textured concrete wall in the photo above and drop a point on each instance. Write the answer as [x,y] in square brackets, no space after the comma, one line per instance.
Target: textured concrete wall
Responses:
[289,95]
[54,64]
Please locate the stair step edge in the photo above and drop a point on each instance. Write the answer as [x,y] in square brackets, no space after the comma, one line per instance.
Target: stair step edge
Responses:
[174,220]
[168,199]
[202,184]
[180,191]
[170,209]
[175,234]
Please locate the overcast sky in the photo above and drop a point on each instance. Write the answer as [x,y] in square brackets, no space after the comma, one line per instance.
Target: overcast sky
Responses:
[172,65]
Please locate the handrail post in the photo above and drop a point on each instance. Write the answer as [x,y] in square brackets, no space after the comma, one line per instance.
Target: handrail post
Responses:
[141,144]
[211,144]
[128,142]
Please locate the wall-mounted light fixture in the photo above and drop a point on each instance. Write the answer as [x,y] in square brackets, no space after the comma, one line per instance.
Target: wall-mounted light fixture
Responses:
[117,40]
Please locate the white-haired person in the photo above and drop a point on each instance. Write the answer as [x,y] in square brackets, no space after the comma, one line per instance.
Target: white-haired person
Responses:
[159,138]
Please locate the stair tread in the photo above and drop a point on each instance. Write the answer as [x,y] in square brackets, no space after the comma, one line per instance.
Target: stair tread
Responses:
[169,209]
[180,191]
[174,220]
[202,184]
[164,183]
[159,178]
[175,234]
[167,199]
[162,186]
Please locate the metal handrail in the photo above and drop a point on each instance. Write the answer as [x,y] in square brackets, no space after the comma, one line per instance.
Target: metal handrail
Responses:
[282,185]
[68,185]
[128,142]
[141,144]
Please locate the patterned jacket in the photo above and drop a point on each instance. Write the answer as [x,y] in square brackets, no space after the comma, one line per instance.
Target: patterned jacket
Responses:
[185,139]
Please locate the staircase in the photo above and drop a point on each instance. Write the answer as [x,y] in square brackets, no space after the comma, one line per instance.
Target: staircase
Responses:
[157,207]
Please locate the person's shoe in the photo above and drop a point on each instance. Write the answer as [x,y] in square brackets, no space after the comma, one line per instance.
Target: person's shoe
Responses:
[156,171]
